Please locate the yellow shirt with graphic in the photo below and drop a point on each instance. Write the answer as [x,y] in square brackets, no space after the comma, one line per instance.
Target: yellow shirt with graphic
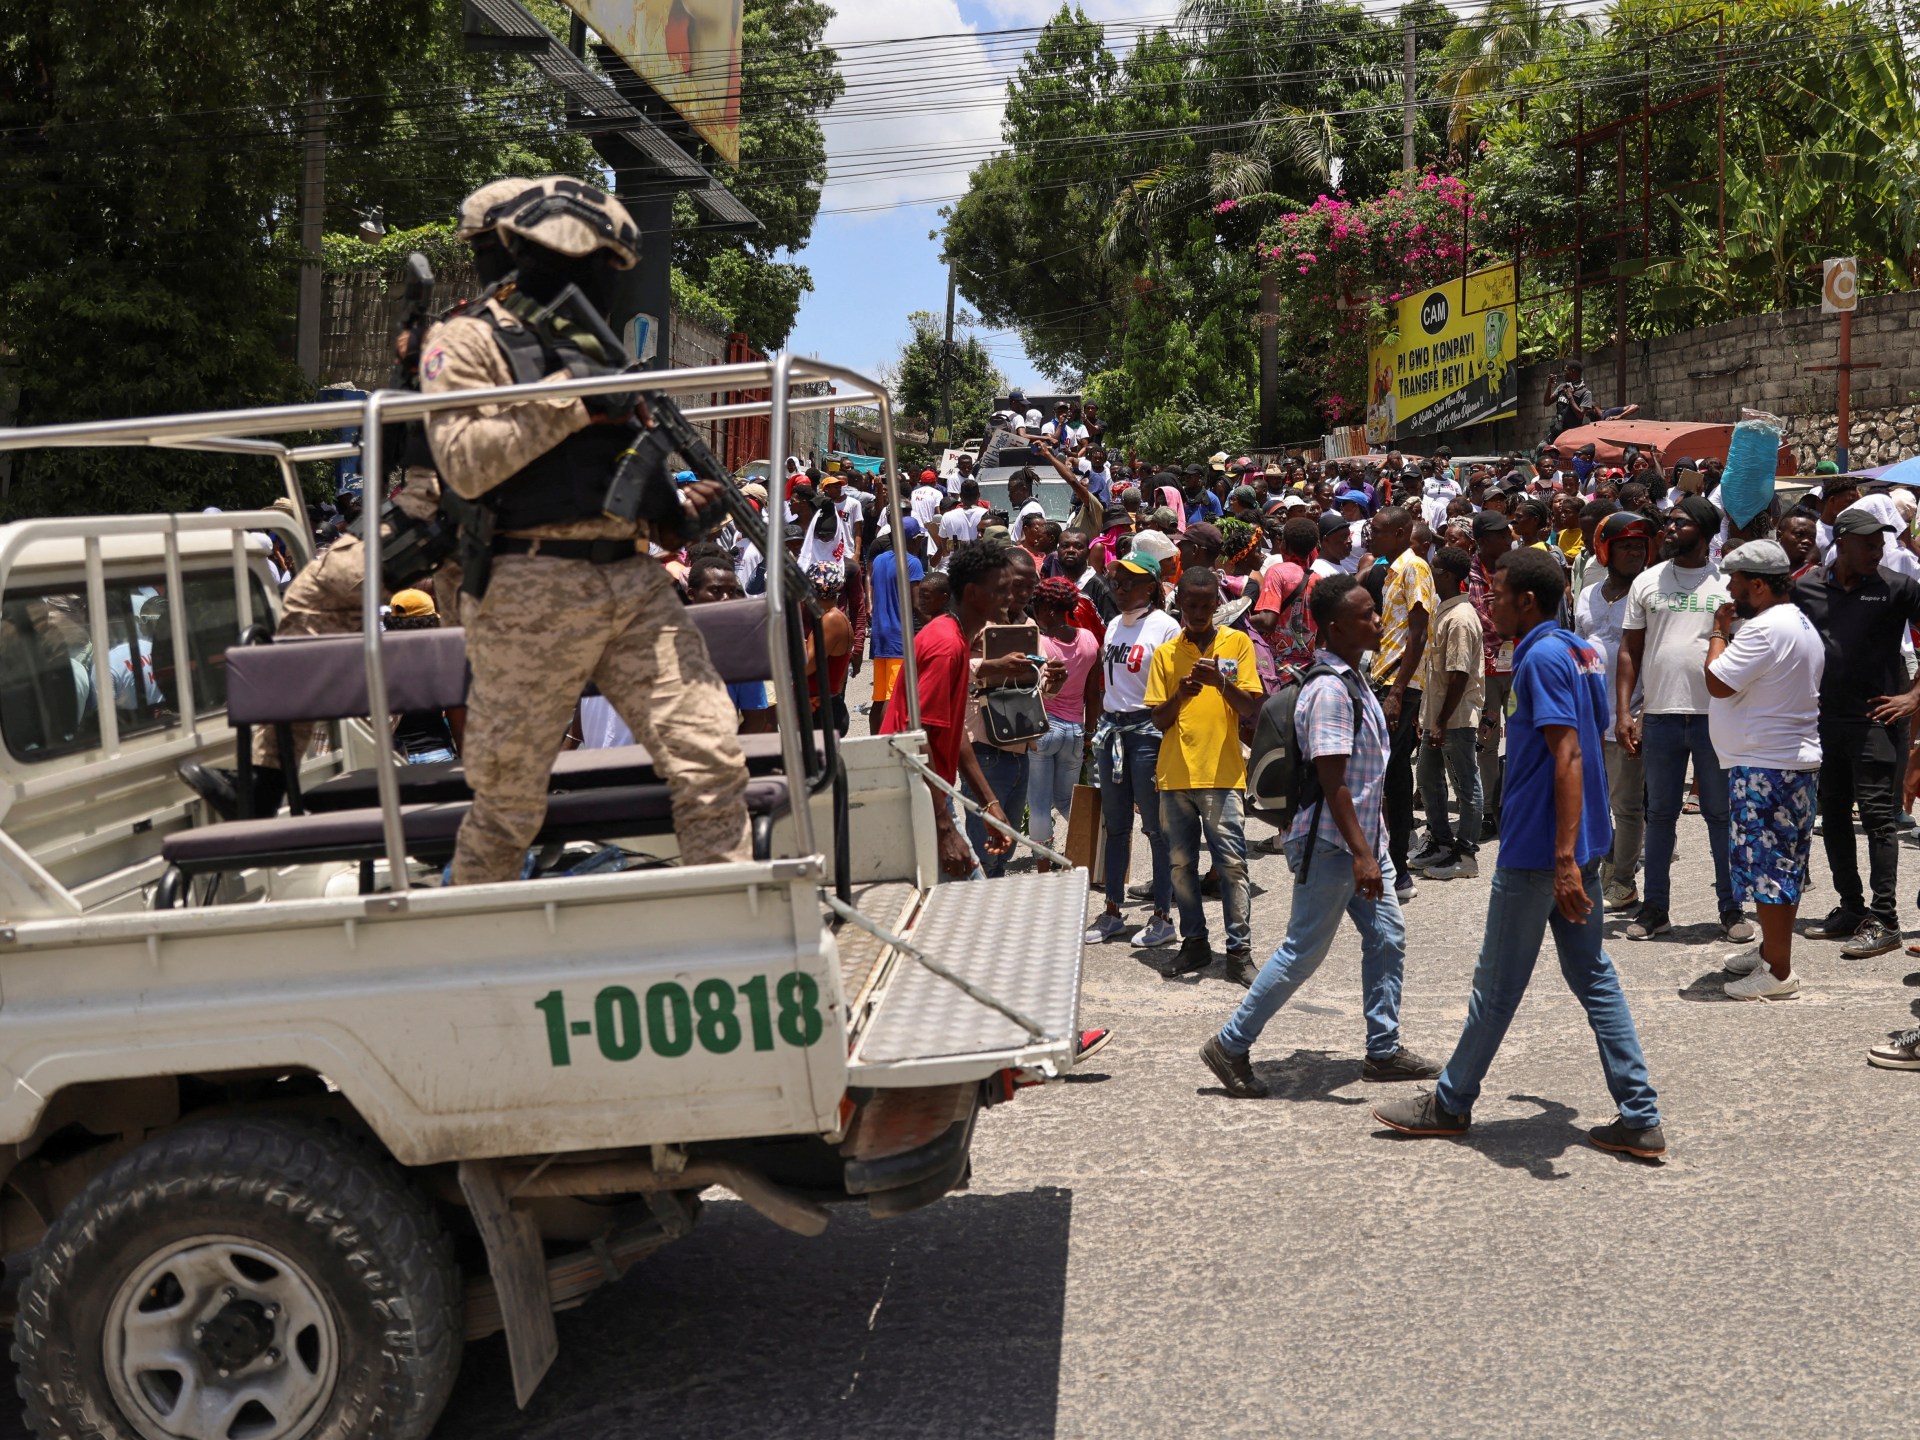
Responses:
[1409,584]
[1202,750]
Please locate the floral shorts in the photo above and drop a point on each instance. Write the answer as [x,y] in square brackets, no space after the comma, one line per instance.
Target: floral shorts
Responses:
[1772,824]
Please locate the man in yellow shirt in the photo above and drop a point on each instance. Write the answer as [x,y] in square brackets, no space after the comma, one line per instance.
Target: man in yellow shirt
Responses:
[1200,688]
[1407,607]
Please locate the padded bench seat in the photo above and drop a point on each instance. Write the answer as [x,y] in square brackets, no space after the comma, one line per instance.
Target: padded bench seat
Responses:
[599,814]
[572,770]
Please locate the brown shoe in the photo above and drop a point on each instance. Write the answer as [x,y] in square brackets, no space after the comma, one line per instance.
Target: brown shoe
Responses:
[1232,1071]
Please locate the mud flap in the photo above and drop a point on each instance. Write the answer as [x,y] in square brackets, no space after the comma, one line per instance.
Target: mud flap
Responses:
[518,1264]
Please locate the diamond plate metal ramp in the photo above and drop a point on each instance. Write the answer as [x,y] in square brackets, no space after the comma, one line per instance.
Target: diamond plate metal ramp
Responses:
[1017,938]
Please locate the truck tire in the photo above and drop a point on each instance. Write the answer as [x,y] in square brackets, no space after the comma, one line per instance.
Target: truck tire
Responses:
[250,1279]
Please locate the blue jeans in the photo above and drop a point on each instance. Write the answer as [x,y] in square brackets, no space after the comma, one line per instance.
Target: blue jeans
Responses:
[1457,762]
[1187,815]
[1006,776]
[1668,742]
[1518,914]
[1053,766]
[1138,754]
[1318,903]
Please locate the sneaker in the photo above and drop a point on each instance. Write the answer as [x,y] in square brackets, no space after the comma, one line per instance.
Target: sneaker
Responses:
[1402,1064]
[1092,1042]
[1241,969]
[1647,923]
[1649,1143]
[1489,830]
[1620,897]
[1874,937]
[1404,889]
[1840,924]
[1195,955]
[1743,962]
[1108,927]
[1736,927]
[1763,984]
[1142,891]
[1455,867]
[1900,1052]
[1159,931]
[1232,1071]
[1431,855]
[1420,1115]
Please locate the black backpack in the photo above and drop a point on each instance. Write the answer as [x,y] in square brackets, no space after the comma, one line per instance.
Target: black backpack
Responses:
[1281,781]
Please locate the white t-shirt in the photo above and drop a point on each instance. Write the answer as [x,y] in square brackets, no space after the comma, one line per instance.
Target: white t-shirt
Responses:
[828,544]
[1032,507]
[1775,662]
[1675,607]
[956,480]
[1598,619]
[1065,437]
[1324,567]
[962,524]
[1127,656]
[925,504]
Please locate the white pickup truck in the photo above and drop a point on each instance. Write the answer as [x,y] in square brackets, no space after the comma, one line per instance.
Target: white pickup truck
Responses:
[286,1121]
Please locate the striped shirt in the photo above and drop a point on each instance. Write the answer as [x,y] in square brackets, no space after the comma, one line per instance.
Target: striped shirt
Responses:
[1323,719]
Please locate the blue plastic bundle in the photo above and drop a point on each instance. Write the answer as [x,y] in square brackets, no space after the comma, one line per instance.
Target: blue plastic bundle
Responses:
[1746,485]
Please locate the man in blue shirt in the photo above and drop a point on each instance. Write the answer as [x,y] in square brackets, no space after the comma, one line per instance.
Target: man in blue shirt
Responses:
[1555,828]
[886,638]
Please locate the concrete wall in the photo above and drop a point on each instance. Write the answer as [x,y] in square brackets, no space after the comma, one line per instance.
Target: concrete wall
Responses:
[1758,362]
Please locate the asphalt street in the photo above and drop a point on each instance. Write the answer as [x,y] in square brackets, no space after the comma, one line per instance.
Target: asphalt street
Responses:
[1140,1255]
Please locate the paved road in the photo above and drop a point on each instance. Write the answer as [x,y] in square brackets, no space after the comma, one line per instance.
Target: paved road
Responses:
[1141,1256]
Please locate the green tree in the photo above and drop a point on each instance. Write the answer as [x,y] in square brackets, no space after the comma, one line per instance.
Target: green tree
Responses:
[1483,54]
[918,378]
[789,79]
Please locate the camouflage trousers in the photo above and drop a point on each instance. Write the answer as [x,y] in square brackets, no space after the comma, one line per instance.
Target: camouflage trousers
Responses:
[546,627]
[325,599]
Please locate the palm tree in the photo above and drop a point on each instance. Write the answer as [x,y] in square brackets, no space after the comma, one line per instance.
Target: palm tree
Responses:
[1484,52]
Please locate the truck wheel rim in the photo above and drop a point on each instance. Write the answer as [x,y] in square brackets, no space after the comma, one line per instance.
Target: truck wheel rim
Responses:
[219,1338]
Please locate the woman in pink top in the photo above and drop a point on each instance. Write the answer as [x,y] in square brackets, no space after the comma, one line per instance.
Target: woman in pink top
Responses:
[1053,765]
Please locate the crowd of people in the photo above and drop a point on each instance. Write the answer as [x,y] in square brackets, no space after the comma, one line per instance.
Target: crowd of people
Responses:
[1759,674]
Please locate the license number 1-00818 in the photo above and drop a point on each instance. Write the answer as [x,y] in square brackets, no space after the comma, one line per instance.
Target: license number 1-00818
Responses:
[716,1016]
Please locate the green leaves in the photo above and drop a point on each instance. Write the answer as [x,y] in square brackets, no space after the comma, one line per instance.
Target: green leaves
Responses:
[916,378]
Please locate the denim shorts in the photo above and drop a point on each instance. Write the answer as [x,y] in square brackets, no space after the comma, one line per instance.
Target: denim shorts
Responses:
[1771,821]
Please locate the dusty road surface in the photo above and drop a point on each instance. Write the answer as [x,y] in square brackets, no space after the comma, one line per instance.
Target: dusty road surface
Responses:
[1141,1256]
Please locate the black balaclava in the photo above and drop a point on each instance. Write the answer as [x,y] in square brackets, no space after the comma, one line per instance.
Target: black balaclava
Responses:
[490,258]
[545,273]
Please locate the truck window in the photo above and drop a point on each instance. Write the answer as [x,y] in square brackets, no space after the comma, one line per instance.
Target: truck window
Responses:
[48,704]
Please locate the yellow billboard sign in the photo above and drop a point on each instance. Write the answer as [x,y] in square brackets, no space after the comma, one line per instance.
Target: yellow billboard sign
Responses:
[1452,364]
[688,50]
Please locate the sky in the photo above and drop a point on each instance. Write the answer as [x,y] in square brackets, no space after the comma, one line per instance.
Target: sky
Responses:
[872,260]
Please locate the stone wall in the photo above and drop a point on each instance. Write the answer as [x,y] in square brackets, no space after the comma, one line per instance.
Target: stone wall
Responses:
[1757,362]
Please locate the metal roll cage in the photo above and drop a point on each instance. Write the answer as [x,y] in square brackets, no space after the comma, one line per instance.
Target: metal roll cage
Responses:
[243,432]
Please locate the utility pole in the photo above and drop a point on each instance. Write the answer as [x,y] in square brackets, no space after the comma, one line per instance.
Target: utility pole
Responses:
[946,365]
[313,216]
[1406,103]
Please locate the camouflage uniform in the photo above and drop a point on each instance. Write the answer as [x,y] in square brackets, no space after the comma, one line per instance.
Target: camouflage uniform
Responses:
[325,598]
[547,625]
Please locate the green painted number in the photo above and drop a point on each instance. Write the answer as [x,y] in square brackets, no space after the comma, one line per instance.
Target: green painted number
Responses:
[673,1039]
[759,1013]
[800,1022]
[717,1026]
[554,1006]
[616,1023]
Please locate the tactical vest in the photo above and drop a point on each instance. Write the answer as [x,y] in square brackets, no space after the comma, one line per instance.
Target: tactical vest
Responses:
[568,482]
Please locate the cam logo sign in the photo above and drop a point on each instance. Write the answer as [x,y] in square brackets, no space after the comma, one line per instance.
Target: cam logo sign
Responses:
[1451,361]
[1839,286]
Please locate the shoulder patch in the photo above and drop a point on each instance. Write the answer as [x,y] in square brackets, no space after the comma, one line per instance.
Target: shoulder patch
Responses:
[434,363]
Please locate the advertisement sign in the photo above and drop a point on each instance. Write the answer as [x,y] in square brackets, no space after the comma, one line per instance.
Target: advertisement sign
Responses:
[1839,286]
[688,50]
[1453,363]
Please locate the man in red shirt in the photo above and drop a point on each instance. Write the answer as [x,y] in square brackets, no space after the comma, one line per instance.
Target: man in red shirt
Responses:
[979,576]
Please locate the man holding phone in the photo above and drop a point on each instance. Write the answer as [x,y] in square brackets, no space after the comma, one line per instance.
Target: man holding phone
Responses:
[1202,686]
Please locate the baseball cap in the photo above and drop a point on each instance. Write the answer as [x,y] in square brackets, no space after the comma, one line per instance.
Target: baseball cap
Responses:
[1152,542]
[409,604]
[1294,502]
[1244,494]
[1856,520]
[1353,497]
[1218,460]
[910,526]
[1206,535]
[1757,557]
[927,477]
[1331,524]
[755,491]
[1140,563]
[1826,467]
[1489,522]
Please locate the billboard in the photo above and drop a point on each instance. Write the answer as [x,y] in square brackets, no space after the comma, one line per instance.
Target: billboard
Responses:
[688,50]
[1453,363]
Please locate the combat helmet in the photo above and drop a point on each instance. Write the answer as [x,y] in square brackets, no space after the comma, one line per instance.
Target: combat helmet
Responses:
[482,210]
[573,218]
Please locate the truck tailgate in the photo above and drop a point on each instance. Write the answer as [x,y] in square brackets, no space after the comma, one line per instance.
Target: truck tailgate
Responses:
[1017,938]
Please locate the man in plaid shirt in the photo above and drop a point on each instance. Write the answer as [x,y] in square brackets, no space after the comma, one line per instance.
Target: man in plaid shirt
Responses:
[1338,850]
[1492,538]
